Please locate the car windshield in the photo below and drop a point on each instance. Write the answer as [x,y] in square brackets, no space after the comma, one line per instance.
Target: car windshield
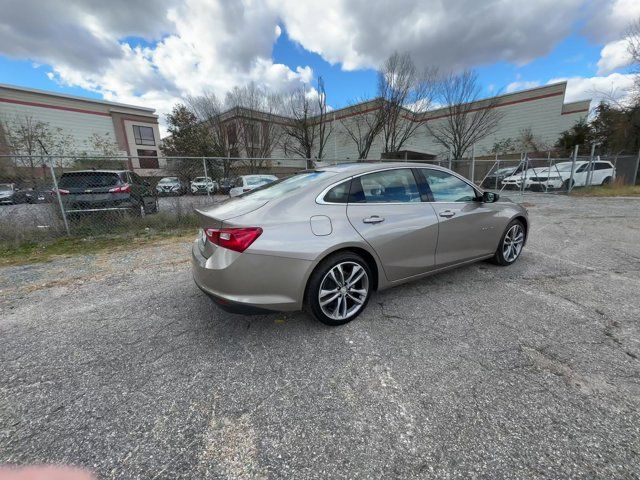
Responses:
[169,180]
[202,179]
[88,179]
[278,188]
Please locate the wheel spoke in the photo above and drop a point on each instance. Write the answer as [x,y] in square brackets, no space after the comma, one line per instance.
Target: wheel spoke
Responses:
[341,273]
[356,280]
[336,311]
[354,272]
[324,293]
[328,301]
[332,274]
[359,301]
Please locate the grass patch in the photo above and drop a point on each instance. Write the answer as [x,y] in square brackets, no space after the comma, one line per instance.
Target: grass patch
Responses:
[616,189]
[37,252]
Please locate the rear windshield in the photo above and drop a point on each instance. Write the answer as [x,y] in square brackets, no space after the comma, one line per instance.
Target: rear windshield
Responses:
[88,179]
[282,187]
[258,180]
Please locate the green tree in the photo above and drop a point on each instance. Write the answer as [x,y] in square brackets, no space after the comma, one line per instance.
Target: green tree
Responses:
[580,134]
[189,137]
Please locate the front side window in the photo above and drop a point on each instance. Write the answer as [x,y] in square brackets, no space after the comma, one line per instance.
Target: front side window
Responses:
[388,186]
[143,135]
[448,188]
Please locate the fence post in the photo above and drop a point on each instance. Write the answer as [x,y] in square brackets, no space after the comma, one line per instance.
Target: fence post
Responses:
[546,188]
[635,170]
[449,158]
[206,177]
[473,163]
[573,168]
[590,168]
[524,173]
[55,185]
[615,167]
[497,169]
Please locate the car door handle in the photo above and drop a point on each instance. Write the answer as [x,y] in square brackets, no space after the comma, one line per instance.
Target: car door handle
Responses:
[373,219]
[447,213]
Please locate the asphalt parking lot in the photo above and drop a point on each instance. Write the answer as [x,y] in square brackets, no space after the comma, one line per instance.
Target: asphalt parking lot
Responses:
[118,363]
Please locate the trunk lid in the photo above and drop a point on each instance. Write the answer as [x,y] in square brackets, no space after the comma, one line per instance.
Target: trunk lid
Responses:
[214,216]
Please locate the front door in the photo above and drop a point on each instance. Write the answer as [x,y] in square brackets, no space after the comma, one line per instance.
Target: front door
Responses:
[468,228]
[387,210]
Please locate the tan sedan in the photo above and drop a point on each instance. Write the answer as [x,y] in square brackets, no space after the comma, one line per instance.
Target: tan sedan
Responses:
[326,239]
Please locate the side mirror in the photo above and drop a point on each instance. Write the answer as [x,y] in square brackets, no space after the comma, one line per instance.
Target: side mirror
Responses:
[490,197]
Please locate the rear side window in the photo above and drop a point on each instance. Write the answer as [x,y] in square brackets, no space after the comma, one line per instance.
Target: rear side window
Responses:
[339,193]
[388,186]
[602,166]
[88,179]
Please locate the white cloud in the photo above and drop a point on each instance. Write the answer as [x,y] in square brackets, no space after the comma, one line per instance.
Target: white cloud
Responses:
[616,86]
[613,56]
[521,85]
[609,20]
[452,34]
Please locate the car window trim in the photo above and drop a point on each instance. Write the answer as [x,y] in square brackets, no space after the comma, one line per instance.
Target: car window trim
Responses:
[320,197]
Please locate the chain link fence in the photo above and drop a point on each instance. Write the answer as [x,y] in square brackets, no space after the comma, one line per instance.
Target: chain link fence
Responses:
[52,196]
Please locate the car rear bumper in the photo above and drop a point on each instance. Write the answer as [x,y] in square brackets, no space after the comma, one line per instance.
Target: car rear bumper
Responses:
[250,283]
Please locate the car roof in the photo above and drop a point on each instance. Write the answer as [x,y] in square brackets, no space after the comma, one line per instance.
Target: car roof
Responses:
[96,171]
[363,167]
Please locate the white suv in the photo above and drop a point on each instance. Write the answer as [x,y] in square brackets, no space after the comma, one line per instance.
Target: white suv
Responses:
[559,176]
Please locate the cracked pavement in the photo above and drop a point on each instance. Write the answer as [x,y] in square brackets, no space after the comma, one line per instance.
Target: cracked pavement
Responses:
[118,363]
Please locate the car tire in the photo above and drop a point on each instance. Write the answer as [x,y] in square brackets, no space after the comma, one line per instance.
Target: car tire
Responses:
[515,236]
[606,181]
[568,185]
[355,295]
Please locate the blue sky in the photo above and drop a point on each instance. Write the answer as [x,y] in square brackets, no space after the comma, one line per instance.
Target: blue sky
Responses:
[156,56]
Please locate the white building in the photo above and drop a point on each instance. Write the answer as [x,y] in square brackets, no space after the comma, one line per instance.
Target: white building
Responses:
[131,130]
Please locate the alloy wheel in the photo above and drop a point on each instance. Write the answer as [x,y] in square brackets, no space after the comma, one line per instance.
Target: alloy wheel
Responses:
[512,243]
[343,290]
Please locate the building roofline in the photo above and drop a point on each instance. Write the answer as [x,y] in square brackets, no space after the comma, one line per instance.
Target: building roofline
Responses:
[75,97]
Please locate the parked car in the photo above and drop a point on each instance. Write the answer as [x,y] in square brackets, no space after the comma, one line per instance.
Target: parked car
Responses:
[326,239]
[494,179]
[11,194]
[40,194]
[170,186]
[246,183]
[514,182]
[88,191]
[225,184]
[203,185]
[559,175]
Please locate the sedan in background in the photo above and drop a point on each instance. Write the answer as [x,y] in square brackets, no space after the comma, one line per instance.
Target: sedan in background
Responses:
[514,182]
[494,179]
[203,185]
[559,175]
[326,239]
[246,183]
[170,186]
[40,194]
[11,194]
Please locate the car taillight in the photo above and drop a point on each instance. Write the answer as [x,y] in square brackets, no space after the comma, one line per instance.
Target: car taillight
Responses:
[126,188]
[61,191]
[236,239]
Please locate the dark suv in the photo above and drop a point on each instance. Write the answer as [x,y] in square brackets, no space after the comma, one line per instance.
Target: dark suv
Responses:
[105,191]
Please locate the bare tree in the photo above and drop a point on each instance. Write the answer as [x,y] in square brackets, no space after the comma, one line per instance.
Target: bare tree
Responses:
[364,126]
[633,47]
[209,109]
[31,141]
[406,94]
[257,123]
[307,129]
[466,121]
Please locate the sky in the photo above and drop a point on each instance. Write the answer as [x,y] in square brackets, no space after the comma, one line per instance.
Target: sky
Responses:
[153,54]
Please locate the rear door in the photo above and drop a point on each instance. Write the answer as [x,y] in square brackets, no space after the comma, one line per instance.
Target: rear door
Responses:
[468,228]
[387,210]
